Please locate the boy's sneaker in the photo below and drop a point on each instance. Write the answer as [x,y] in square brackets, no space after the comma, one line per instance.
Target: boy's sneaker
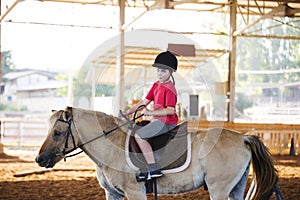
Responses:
[155,174]
[147,176]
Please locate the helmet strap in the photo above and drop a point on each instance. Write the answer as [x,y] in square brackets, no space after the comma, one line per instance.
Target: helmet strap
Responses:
[173,79]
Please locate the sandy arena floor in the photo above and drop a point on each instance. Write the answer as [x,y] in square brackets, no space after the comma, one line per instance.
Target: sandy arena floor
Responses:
[75,179]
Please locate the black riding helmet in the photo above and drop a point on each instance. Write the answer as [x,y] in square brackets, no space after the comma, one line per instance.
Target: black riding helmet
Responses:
[166,60]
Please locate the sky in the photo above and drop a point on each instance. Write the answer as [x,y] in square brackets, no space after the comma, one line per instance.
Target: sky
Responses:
[60,36]
[56,45]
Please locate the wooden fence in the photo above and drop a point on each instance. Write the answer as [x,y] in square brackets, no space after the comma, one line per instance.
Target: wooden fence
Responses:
[279,142]
[23,133]
[277,137]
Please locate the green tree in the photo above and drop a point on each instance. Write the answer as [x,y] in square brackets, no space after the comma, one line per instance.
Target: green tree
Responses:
[7,63]
[80,87]
[262,54]
[62,92]
[104,90]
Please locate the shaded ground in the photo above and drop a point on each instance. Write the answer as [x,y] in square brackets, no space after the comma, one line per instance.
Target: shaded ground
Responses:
[76,179]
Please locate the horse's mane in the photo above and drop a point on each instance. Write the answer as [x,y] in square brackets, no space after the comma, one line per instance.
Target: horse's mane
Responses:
[58,114]
[108,121]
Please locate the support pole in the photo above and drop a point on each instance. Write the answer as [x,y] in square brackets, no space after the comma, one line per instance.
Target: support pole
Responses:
[1,135]
[232,62]
[93,92]
[70,87]
[120,62]
[1,145]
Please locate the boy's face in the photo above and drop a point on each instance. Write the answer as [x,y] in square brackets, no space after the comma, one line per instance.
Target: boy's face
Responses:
[163,75]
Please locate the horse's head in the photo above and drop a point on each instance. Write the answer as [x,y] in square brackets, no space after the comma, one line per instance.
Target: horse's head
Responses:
[59,140]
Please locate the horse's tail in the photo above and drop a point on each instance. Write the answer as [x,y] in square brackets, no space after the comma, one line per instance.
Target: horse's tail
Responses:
[265,172]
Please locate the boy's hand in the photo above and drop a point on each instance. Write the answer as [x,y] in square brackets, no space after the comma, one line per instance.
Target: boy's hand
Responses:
[147,112]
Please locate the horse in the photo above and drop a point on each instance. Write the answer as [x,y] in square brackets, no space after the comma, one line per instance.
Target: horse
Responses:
[220,158]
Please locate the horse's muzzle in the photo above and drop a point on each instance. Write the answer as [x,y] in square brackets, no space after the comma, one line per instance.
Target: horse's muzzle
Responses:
[46,159]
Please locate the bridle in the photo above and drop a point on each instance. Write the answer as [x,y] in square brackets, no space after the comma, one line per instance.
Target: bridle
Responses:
[69,133]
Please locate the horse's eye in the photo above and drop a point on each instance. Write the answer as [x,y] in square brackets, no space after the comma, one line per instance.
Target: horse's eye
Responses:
[57,133]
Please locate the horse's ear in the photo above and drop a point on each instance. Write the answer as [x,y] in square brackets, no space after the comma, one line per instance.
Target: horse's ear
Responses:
[67,116]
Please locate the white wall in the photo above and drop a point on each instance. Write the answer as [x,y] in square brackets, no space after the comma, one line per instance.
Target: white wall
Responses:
[43,103]
[105,104]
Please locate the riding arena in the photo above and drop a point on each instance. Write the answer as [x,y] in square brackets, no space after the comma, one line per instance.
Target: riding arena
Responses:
[22,178]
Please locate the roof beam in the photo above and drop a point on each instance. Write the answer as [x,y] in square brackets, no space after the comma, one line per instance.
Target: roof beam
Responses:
[282,10]
[160,4]
[9,9]
[84,2]
[289,37]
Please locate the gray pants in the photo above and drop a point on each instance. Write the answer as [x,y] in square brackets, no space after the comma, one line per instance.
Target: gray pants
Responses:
[154,128]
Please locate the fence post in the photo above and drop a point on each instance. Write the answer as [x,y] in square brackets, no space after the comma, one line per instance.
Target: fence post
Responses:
[20,134]
[1,135]
[292,148]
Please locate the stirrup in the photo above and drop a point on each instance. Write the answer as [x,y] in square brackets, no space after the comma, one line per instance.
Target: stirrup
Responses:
[142,176]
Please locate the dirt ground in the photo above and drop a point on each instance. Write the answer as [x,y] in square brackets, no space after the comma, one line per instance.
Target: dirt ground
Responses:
[75,179]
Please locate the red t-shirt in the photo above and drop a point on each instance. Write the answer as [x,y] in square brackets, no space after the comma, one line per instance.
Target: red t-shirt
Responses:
[164,95]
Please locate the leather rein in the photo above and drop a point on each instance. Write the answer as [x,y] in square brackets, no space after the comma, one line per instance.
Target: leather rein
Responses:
[104,133]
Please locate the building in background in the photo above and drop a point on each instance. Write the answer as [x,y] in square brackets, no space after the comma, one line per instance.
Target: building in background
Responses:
[35,90]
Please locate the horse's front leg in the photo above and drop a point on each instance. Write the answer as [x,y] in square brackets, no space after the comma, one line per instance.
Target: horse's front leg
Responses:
[135,191]
[121,185]
[111,192]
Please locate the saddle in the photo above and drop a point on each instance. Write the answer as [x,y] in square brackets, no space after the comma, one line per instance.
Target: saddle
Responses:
[171,149]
